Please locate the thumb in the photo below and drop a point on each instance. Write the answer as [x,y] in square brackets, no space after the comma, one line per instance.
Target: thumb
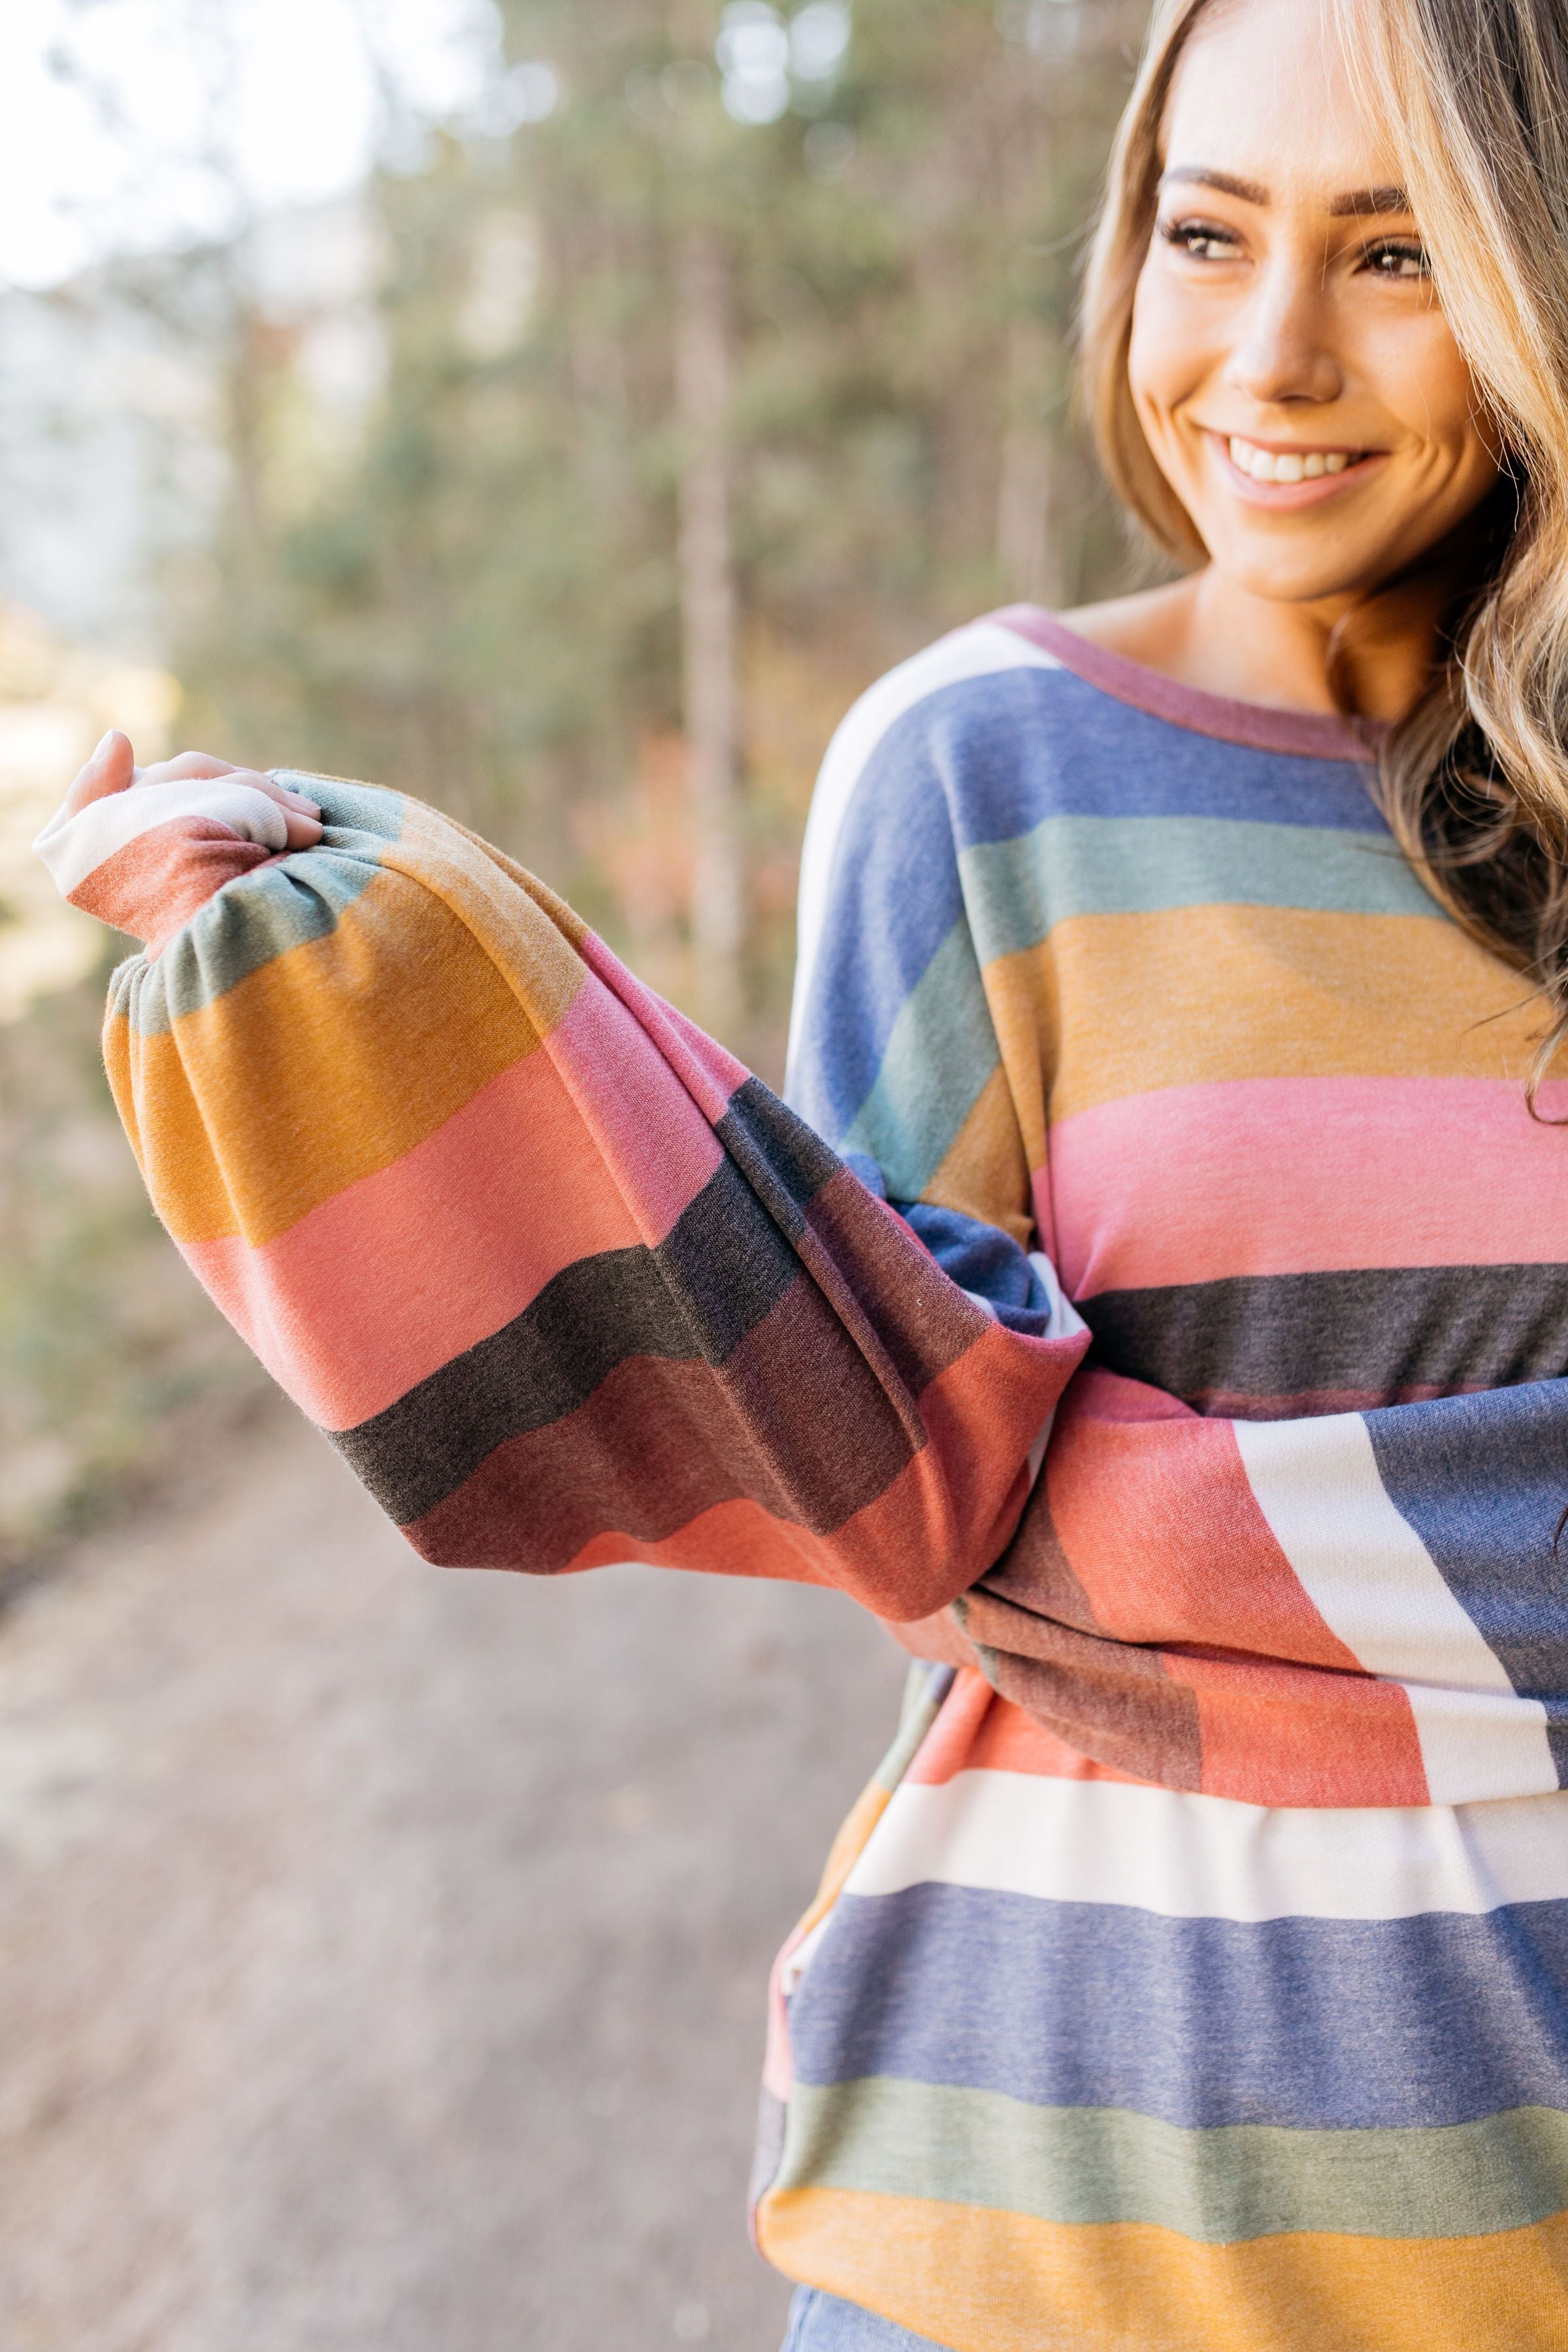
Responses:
[110,770]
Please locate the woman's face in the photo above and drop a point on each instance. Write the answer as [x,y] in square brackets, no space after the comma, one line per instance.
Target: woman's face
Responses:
[1292,367]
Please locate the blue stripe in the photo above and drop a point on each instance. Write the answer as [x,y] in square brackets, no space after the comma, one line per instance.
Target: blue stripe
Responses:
[893,900]
[1483,1480]
[1304,2023]
[983,762]
[821,2323]
[1029,744]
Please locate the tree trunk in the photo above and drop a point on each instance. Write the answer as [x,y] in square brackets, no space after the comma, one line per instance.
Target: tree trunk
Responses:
[703,369]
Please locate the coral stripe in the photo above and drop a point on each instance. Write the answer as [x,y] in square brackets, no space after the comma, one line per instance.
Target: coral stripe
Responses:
[173,867]
[1330,1739]
[1166,1537]
[378,1287]
[911,1549]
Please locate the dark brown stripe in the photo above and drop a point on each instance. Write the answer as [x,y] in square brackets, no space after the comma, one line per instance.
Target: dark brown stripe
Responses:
[785,1163]
[875,1322]
[717,1274]
[1112,1701]
[1034,1572]
[795,1421]
[880,1276]
[1380,1336]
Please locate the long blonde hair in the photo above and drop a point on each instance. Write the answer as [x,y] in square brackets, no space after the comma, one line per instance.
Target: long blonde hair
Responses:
[1474,98]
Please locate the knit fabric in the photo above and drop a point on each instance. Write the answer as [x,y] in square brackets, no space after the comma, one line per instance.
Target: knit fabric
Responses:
[561,1279]
[1193,1973]
[1216,1996]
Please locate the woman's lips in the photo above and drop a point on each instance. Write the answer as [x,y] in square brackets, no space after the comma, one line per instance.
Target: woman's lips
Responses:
[1335,471]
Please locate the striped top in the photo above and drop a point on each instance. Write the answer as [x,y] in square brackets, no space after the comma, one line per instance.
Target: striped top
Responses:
[1196,1975]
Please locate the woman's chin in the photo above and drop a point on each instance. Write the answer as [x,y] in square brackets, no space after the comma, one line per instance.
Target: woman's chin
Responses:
[1281,576]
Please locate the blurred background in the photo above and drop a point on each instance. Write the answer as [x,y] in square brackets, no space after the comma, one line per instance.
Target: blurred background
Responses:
[560,409]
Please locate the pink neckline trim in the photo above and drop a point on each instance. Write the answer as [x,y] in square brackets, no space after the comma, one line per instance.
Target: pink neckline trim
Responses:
[1308,734]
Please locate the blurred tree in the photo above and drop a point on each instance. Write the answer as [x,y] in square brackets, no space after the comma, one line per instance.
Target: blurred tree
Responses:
[725,361]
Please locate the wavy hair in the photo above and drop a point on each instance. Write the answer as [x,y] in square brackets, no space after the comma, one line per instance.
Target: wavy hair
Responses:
[1473,95]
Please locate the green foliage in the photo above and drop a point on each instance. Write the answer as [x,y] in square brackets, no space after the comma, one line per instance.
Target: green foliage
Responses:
[465,582]
[476,597]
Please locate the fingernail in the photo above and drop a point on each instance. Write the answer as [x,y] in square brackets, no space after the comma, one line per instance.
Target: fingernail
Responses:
[104,744]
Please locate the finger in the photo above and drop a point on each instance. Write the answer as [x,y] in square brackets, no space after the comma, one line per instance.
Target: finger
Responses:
[187,763]
[110,770]
[286,795]
[196,765]
[199,764]
[304,832]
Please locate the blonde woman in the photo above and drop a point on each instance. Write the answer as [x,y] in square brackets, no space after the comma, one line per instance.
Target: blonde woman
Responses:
[1174,1340]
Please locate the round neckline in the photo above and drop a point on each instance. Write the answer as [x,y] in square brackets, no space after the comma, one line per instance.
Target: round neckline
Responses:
[1304,734]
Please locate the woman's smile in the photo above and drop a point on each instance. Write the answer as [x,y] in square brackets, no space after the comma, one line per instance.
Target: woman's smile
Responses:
[1289,476]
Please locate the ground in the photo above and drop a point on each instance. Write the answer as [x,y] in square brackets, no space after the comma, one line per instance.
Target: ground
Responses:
[383,1948]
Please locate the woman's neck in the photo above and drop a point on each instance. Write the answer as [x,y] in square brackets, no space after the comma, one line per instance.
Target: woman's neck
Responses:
[1209,633]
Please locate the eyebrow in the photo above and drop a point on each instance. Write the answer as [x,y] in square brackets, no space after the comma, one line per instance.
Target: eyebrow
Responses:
[1356,203]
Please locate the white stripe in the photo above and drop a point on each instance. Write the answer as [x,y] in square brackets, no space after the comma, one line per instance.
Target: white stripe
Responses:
[981,649]
[73,847]
[1373,1580]
[1066,1322]
[1477,1744]
[1190,1857]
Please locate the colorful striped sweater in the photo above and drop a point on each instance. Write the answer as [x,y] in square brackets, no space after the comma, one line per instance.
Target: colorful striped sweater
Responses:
[1194,1974]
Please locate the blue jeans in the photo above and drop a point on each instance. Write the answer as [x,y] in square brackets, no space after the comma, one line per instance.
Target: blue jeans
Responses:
[820,2322]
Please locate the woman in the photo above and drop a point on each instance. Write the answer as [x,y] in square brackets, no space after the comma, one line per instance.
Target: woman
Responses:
[1196,1973]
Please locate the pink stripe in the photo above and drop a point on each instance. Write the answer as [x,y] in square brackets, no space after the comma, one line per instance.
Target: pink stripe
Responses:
[614,1052]
[382,1285]
[709,1075]
[1260,1176]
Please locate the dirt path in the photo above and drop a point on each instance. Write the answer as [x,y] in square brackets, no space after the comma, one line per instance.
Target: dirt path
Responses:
[383,1949]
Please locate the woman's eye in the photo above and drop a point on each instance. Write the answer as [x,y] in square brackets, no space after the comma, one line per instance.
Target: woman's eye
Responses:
[1204,240]
[1398,259]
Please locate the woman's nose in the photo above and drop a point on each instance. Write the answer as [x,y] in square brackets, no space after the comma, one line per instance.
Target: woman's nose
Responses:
[1284,347]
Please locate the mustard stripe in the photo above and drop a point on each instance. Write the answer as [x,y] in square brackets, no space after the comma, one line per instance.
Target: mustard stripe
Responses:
[1123,1003]
[980,2281]
[302,1078]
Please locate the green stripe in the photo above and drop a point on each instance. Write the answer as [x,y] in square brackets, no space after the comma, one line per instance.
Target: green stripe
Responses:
[252,922]
[1095,2165]
[941,1051]
[1018,891]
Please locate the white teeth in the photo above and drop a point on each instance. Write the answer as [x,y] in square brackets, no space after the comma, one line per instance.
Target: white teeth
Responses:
[1285,464]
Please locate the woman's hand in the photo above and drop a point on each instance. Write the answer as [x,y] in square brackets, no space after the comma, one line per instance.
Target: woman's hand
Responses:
[142,848]
[113,769]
